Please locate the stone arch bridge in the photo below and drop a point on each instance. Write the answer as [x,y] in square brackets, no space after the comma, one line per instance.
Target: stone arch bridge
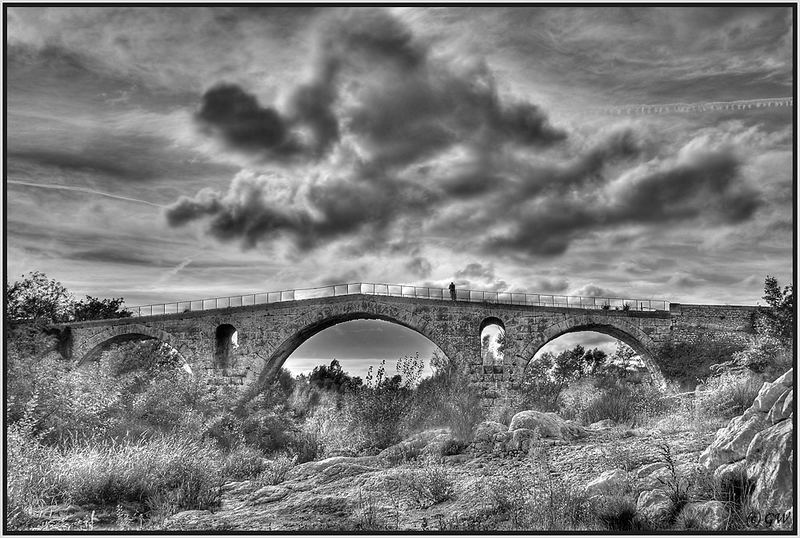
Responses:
[246,345]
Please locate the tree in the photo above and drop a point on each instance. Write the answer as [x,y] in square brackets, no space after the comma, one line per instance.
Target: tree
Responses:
[485,351]
[568,365]
[778,320]
[38,297]
[594,358]
[332,377]
[94,308]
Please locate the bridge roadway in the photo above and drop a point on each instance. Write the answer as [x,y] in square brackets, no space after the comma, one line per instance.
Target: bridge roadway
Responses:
[245,346]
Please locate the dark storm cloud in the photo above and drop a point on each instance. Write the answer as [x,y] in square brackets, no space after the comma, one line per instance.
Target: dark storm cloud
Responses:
[428,138]
[340,208]
[407,108]
[236,117]
[241,214]
[706,187]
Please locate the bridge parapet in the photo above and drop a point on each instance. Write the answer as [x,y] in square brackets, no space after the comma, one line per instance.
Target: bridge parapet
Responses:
[402,290]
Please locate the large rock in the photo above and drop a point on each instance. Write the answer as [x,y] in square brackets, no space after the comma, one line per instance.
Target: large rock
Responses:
[548,425]
[731,442]
[653,504]
[782,407]
[706,515]
[522,439]
[731,473]
[602,424]
[502,441]
[654,479]
[485,431]
[767,396]
[612,481]
[645,470]
[414,446]
[786,379]
[769,468]
[313,468]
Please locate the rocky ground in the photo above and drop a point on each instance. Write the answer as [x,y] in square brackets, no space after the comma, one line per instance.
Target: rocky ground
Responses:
[347,493]
[539,457]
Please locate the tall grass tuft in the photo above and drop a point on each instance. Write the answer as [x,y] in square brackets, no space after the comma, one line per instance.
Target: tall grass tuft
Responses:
[162,475]
[729,394]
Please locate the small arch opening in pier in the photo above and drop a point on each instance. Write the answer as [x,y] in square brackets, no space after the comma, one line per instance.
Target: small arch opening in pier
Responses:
[493,338]
[227,340]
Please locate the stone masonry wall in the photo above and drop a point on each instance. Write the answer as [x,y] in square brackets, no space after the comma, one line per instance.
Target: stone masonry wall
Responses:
[267,334]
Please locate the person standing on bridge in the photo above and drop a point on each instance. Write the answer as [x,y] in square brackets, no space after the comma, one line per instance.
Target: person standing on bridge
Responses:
[452,291]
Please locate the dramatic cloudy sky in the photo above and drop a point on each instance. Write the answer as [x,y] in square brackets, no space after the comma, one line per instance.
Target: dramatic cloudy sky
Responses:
[161,154]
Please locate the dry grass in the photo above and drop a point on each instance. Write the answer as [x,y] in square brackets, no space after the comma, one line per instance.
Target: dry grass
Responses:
[160,476]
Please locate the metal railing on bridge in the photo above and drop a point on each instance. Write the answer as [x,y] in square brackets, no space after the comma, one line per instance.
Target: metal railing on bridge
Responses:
[399,290]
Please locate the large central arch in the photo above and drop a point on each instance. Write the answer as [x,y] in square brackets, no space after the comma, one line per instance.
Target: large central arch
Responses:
[618,328]
[308,325]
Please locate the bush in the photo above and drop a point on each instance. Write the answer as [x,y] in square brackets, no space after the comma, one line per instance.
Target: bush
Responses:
[767,356]
[592,399]
[687,362]
[618,513]
[29,474]
[428,485]
[243,462]
[446,399]
[275,470]
[729,394]
[165,473]
[539,389]
[377,410]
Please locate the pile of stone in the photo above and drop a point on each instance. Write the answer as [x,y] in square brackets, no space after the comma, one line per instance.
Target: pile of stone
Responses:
[759,446]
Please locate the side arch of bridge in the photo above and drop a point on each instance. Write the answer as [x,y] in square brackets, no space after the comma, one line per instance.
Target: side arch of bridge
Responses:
[619,328]
[121,333]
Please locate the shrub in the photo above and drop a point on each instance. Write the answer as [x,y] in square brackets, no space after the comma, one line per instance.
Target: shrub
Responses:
[508,494]
[617,513]
[765,355]
[29,472]
[164,473]
[729,394]
[243,462]
[428,485]
[539,389]
[686,362]
[675,485]
[160,475]
[267,430]
[275,470]
[306,446]
[446,399]
[377,409]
